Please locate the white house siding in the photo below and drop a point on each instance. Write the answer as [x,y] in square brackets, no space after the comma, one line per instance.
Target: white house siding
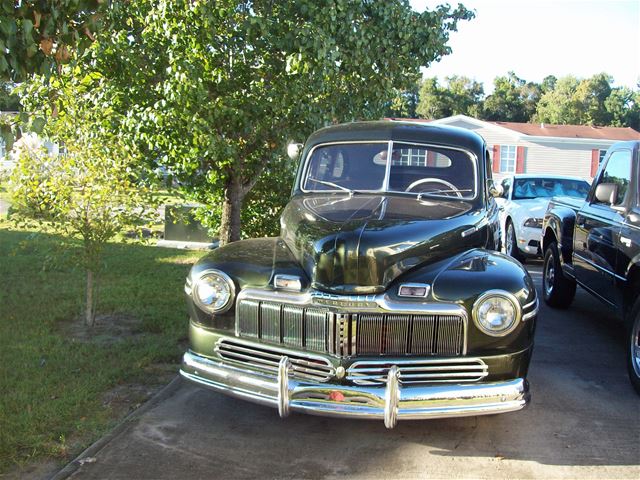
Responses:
[549,157]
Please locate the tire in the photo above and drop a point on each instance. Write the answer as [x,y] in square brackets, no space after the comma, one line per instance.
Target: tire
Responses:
[558,291]
[511,243]
[633,347]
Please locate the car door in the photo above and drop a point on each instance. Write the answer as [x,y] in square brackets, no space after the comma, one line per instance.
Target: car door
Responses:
[598,229]
[629,236]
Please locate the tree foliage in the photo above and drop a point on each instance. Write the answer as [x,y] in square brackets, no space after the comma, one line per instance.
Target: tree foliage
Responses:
[90,192]
[215,89]
[37,36]
[459,95]
[513,99]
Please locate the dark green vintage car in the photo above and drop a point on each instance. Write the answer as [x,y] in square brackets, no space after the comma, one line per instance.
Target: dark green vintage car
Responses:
[383,297]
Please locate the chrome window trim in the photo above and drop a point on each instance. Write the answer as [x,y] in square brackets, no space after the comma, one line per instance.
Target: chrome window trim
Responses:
[354,304]
[385,184]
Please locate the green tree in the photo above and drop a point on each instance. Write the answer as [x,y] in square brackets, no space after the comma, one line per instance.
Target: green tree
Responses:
[89,193]
[513,100]
[38,36]
[405,102]
[215,89]
[623,105]
[559,106]
[459,95]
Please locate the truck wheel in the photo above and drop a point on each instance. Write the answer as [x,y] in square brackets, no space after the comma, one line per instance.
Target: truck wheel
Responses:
[633,347]
[511,242]
[558,291]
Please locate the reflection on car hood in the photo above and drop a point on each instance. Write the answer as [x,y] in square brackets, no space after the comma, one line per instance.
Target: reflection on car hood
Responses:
[535,206]
[361,243]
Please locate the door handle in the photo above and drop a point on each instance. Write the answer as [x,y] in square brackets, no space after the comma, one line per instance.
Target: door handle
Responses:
[625,241]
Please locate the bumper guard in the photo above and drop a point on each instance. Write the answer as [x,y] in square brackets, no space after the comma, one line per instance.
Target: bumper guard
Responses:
[390,402]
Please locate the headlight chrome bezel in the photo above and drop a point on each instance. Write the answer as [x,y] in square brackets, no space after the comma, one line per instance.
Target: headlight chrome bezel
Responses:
[506,296]
[197,282]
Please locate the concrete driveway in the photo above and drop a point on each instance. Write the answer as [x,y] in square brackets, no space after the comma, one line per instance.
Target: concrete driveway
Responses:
[583,422]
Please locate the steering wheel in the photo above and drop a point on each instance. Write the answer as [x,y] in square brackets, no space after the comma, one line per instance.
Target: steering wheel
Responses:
[449,186]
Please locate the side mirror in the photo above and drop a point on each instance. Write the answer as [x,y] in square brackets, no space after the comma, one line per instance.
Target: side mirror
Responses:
[607,193]
[493,189]
[293,150]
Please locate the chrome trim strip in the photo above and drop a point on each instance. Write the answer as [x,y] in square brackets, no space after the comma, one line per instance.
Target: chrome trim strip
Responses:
[364,402]
[602,269]
[379,303]
[530,304]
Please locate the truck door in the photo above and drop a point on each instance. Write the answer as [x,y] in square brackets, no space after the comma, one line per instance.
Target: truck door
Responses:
[598,229]
[629,238]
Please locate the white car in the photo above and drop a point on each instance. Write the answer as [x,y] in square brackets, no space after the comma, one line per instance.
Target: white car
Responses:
[524,201]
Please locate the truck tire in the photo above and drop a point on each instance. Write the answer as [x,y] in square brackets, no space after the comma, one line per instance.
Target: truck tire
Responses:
[633,347]
[558,291]
[511,242]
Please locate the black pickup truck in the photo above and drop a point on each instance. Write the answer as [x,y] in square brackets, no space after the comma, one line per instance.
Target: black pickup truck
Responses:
[595,243]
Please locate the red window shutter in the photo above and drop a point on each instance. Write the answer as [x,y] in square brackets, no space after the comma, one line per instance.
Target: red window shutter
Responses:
[431,159]
[496,159]
[520,160]
[595,161]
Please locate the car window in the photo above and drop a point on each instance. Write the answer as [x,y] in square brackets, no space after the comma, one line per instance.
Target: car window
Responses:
[432,170]
[542,187]
[618,171]
[346,166]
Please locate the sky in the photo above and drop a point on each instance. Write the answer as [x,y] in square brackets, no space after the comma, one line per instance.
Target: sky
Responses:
[536,38]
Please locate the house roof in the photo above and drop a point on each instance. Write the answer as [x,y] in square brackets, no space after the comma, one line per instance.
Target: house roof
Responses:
[548,130]
[571,131]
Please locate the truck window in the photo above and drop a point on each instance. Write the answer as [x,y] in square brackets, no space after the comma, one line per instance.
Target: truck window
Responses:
[618,170]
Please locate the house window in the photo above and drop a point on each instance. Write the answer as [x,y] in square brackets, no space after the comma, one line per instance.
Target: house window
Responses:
[601,156]
[412,157]
[508,158]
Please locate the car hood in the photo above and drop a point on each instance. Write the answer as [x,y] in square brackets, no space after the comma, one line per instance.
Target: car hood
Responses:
[361,243]
[533,207]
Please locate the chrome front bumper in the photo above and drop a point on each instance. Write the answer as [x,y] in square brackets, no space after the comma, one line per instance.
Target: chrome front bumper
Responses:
[390,402]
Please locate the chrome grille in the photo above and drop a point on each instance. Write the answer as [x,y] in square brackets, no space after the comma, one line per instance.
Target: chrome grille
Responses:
[437,370]
[390,334]
[319,329]
[261,357]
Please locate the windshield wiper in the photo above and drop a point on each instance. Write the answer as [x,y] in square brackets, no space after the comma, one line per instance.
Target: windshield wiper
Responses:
[436,192]
[331,184]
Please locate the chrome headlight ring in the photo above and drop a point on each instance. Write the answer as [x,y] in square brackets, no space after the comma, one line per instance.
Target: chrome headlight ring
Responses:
[488,308]
[213,291]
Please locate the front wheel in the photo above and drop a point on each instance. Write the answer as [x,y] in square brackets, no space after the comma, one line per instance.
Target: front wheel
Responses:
[511,242]
[558,291]
[633,348]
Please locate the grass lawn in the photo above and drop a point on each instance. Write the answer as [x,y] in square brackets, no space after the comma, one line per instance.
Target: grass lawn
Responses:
[57,387]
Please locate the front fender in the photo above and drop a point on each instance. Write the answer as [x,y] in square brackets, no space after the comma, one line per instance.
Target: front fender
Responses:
[476,272]
[249,263]
[558,225]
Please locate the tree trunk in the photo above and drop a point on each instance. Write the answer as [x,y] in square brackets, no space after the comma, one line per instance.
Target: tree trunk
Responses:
[230,223]
[89,313]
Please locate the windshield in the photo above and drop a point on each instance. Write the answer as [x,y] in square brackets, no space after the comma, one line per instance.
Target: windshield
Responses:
[419,169]
[524,188]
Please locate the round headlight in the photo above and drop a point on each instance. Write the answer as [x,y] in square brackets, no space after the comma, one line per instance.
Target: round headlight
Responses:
[496,312]
[213,291]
